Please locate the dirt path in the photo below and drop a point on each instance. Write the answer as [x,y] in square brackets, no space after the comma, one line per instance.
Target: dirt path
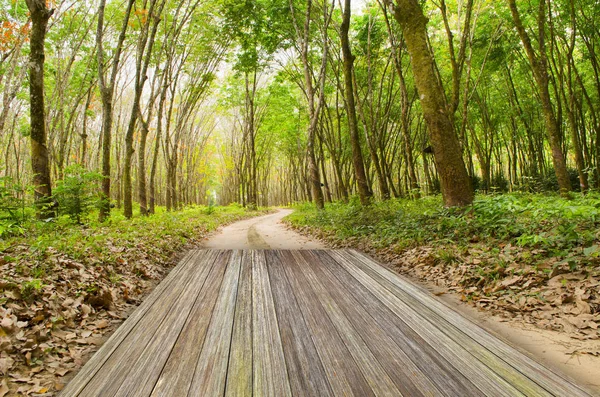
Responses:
[264,232]
[550,348]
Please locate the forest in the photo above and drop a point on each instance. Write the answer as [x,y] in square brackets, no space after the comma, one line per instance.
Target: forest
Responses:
[269,103]
[429,133]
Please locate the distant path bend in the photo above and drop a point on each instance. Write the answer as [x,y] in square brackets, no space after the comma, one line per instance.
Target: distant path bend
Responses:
[264,232]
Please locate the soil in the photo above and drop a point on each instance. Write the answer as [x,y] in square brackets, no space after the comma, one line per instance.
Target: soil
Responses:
[551,348]
[264,232]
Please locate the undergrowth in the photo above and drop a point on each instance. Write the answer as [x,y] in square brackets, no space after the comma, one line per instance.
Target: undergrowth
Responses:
[162,233]
[555,226]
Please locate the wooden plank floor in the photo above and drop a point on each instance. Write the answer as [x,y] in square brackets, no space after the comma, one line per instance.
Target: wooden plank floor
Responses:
[303,323]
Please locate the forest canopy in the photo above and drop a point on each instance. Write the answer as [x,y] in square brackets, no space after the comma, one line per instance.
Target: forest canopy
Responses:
[138,103]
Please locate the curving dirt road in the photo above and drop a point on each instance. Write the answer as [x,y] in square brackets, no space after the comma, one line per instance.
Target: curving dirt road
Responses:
[265,232]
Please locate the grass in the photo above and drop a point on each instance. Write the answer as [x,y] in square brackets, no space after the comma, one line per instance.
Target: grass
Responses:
[31,255]
[543,225]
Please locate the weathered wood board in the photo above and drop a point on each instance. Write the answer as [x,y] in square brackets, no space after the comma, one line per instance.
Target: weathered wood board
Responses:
[314,323]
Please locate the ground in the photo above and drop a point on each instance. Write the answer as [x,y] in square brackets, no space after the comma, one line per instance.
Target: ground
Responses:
[548,347]
[264,232]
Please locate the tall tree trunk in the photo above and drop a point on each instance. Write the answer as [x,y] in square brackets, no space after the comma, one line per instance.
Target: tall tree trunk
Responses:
[159,127]
[107,89]
[143,58]
[40,164]
[84,134]
[364,192]
[250,134]
[314,109]
[539,66]
[454,179]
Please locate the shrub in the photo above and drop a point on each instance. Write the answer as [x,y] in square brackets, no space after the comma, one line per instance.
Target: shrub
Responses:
[13,207]
[77,193]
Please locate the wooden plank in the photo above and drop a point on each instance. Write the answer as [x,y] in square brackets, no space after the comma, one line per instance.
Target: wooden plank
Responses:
[211,369]
[270,375]
[345,360]
[145,372]
[305,370]
[239,373]
[76,385]
[178,372]
[442,373]
[470,336]
[407,377]
[482,374]
[157,324]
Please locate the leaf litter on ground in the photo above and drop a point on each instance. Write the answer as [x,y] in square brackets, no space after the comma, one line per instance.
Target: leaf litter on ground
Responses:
[58,305]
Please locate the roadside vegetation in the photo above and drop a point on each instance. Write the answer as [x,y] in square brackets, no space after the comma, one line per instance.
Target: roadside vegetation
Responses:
[533,257]
[68,282]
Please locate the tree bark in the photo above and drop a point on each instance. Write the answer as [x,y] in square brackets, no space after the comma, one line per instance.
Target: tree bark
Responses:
[364,192]
[40,163]
[454,179]
[314,108]
[143,57]
[539,66]
[107,89]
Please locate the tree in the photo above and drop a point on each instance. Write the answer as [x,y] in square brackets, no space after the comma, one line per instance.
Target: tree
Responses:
[364,191]
[40,15]
[539,66]
[107,89]
[454,179]
[303,37]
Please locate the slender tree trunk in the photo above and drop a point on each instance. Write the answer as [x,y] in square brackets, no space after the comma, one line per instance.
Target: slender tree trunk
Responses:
[364,192]
[107,89]
[84,134]
[539,65]
[40,164]
[143,198]
[143,58]
[314,109]
[454,179]
[159,127]
[250,134]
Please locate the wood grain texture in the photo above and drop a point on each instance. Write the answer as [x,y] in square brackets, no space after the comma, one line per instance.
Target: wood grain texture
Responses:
[239,373]
[457,357]
[351,367]
[305,369]
[176,376]
[442,373]
[270,376]
[407,377]
[470,336]
[77,384]
[211,369]
[310,323]
[145,371]
[148,332]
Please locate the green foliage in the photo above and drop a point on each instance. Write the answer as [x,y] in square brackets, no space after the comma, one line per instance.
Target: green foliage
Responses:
[547,182]
[77,192]
[13,207]
[30,288]
[538,221]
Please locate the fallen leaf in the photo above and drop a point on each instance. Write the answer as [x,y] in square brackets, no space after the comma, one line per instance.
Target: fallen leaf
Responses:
[102,324]
[3,388]
[63,371]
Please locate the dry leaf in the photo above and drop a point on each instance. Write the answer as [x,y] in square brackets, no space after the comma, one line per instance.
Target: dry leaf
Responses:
[3,388]
[102,324]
